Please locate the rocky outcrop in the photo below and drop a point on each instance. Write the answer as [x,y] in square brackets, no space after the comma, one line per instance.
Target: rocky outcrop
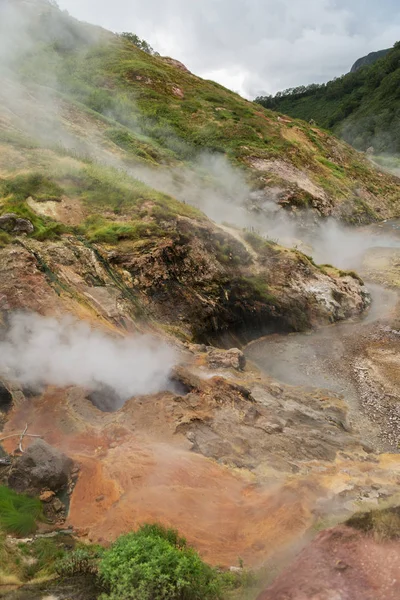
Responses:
[208,284]
[40,467]
[197,279]
[11,223]
[230,359]
[370,59]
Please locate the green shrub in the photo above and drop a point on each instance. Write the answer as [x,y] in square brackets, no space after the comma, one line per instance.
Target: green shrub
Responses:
[156,564]
[82,561]
[18,513]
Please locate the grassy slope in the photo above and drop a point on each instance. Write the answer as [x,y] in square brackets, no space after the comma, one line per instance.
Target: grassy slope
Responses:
[161,114]
[363,107]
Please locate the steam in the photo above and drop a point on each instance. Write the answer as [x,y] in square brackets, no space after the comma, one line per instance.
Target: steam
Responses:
[210,183]
[40,350]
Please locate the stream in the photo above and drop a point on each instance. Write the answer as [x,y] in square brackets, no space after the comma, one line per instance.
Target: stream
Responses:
[327,358]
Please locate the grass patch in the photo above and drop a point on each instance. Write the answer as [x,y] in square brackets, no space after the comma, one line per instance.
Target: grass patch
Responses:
[352,274]
[260,287]
[384,524]
[35,185]
[98,230]
[5,239]
[18,513]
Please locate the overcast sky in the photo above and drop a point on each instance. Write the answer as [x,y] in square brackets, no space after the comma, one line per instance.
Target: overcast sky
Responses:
[254,46]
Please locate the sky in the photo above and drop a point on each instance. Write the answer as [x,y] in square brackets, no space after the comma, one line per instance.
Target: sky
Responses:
[253,47]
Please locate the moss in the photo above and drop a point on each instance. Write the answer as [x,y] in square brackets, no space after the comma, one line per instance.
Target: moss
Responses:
[5,239]
[260,287]
[99,230]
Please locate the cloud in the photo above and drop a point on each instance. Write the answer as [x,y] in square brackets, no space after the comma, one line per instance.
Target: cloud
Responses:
[254,46]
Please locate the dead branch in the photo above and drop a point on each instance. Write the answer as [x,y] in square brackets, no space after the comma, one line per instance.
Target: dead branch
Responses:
[22,437]
[18,434]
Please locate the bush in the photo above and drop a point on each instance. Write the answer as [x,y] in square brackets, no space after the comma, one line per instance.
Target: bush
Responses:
[18,513]
[82,561]
[156,564]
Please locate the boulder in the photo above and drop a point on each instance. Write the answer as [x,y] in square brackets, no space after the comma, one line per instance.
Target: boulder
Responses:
[226,359]
[40,467]
[11,223]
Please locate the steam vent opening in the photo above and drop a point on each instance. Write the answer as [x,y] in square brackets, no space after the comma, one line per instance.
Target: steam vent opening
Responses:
[6,399]
[106,399]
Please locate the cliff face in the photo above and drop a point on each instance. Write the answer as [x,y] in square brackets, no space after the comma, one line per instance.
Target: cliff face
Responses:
[370,59]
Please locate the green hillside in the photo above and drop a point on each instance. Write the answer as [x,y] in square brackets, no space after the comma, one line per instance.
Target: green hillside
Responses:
[126,107]
[362,107]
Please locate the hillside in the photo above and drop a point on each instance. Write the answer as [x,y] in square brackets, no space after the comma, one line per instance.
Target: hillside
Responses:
[152,225]
[362,107]
[128,109]
[369,59]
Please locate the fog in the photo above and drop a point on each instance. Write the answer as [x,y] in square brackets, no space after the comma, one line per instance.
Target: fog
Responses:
[39,350]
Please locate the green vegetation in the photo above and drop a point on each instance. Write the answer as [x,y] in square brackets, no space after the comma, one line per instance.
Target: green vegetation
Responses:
[144,108]
[362,106]
[98,229]
[14,193]
[18,513]
[370,59]
[260,287]
[384,524]
[141,44]
[156,564]
[34,185]
[84,560]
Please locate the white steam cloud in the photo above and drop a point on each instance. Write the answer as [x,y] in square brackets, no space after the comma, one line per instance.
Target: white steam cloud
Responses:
[40,350]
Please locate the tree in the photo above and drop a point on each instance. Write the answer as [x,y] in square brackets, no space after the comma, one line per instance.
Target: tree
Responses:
[142,44]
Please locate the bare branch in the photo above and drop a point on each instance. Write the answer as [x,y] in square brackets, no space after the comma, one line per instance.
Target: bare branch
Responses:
[22,437]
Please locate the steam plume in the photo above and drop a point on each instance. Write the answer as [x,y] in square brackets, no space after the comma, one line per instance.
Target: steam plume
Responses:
[41,350]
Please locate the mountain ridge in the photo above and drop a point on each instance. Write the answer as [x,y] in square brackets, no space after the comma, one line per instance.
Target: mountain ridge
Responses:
[362,107]
[368,59]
